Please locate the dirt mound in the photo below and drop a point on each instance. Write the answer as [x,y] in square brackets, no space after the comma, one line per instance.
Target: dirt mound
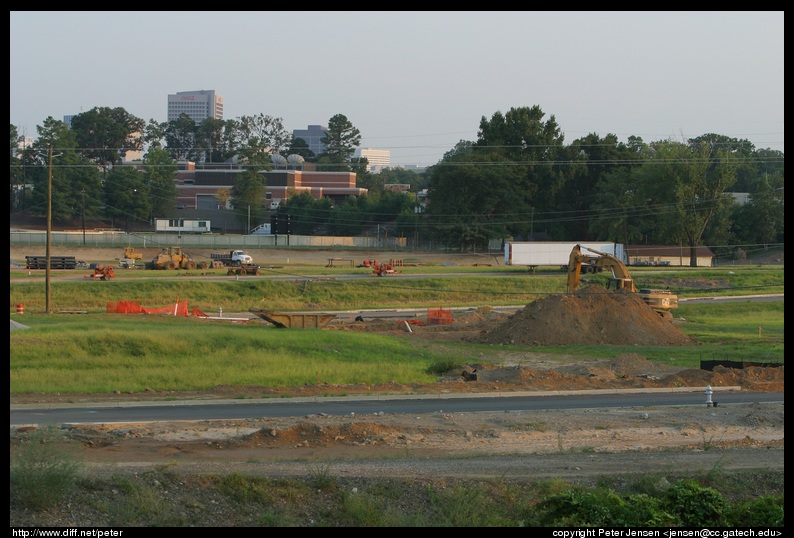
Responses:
[314,434]
[593,315]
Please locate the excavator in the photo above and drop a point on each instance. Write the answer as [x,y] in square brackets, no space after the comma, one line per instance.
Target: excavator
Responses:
[662,301]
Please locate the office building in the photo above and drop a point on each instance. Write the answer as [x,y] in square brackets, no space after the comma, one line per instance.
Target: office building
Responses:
[199,105]
[377,159]
[313,135]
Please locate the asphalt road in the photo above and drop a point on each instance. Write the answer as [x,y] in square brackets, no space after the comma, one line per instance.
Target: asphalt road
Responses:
[418,404]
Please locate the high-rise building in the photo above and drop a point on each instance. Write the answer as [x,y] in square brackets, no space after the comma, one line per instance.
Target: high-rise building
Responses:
[199,105]
[313,135]
[377,159]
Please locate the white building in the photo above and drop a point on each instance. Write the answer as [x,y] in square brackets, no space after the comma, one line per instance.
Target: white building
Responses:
[378,159]
[199,105]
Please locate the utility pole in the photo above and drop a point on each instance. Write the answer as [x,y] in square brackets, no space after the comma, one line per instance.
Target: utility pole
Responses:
[47,309]
[83,215]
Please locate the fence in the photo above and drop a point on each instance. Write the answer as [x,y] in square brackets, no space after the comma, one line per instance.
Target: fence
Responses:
[220,241]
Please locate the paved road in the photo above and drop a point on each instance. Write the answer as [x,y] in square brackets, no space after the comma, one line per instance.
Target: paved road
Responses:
[416,404]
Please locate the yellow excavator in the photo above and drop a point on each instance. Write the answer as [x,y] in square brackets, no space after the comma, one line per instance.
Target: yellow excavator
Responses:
[662,301]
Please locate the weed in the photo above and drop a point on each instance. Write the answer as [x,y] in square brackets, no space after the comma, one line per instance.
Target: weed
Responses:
[42,472]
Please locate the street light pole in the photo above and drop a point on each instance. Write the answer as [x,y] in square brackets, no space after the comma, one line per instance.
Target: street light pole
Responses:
[49,232]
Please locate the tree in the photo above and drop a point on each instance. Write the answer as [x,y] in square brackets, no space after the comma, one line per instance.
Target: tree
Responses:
[299,146]
[17,173]
[104,135]
[592,160]
[685,187]
[180,138]
[535,147]
[127,196]
[760,221]
[248,195]
[473,202]
[262,135]
[159,173]
[304,213]
[341,142]
[76,183]
[209,139]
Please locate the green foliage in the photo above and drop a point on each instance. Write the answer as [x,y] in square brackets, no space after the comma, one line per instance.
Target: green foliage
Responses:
[696,506]
[684,504]
[320,500]
[442,366]
[43,472]
[765,511]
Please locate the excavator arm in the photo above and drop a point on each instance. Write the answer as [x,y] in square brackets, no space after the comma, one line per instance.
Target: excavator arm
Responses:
[662,301]
[597,261]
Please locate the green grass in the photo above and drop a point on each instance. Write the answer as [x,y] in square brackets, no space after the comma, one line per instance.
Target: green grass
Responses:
[309,288]
[100,352]
[133,353]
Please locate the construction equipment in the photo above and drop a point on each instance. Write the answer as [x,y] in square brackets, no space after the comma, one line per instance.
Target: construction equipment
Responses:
[129,252]
[244,269]
[662,301]
[232,258]
[171,258]
[380,269]
[103,272]
[129,258]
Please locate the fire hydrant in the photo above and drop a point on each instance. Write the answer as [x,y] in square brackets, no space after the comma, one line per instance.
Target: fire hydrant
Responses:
[709,392]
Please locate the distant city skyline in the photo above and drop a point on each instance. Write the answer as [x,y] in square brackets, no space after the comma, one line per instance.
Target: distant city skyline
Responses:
[415,83]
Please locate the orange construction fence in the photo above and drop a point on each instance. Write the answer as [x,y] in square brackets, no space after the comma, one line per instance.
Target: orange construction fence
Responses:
[179,308]
[439,316]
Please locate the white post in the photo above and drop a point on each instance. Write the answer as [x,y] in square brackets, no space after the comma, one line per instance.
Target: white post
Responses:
[709,392]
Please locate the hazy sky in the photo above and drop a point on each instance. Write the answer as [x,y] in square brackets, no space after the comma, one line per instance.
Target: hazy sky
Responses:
[415,83]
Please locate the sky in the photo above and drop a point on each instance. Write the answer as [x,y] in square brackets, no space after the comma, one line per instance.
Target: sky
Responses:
[414,82]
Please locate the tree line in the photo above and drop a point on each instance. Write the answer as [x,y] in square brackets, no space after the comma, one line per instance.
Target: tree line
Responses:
[519,180]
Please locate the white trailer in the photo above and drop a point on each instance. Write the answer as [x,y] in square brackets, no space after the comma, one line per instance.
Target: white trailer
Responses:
[183,226]
[536,254]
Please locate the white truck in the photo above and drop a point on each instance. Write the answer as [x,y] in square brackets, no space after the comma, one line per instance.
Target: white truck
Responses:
[534,254]
[232,258]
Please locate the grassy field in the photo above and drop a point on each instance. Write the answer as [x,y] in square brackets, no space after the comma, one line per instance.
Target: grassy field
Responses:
[100,352]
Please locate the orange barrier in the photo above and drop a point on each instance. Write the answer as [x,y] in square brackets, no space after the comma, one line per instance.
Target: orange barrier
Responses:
[134,307]
[439,316]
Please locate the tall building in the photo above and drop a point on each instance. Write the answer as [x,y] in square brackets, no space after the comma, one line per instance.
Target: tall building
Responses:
[313,135]
[377,159]
[199,105]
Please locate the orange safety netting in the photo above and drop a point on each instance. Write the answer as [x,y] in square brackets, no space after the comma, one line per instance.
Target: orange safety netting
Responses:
[439,316]
[179,308]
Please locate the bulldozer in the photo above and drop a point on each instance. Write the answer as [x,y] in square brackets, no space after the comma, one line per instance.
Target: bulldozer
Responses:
[129,258]
[171,258]
[662,301]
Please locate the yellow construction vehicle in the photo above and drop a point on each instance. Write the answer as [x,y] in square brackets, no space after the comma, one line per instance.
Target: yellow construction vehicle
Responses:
[171,258]
[662,301]
[129,258]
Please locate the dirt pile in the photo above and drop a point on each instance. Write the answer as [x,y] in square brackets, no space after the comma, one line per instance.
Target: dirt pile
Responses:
[593,315]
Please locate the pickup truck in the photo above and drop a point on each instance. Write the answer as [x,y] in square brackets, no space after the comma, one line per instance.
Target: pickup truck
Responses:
[233,258]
